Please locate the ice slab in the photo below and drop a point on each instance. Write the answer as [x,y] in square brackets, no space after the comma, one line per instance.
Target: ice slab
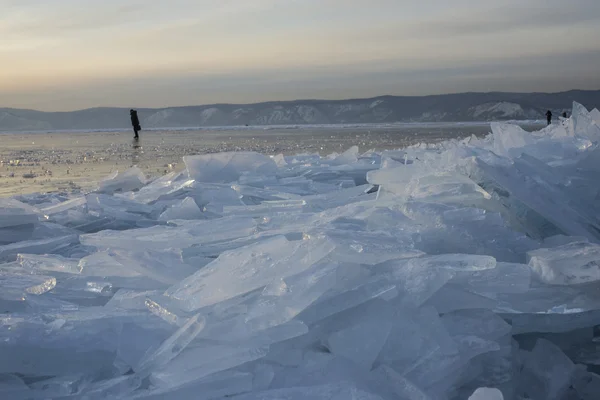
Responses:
[370,247]
[453,298]
[132,179]
[170,186]
[226,384]
[542,199]
[17,286]
[173,346]
[9,252]
[185,234]
[65,206]
[15,213]
[587,384]
[42,361]
[547,372]
[263,375]
[362,337]
[456,262]
[583,122]
[417,337]
[505,278]
[202,360]
[283,299]
[393,385]
[352,291]
[240,271]
[487,394]
[186,209]
[415,281]
[476,322]
[227,167]
[557,320]
[343,390]
[508,137]
[595,114]
[13,387]
[116,205]
[571,264]
[348,157]
[165,266]
[36,263]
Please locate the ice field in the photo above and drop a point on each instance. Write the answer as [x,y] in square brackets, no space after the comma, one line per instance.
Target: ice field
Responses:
[76,160]
[466,269]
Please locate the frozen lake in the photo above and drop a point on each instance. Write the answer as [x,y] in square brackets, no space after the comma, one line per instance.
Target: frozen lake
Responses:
[465,269]
[50,161]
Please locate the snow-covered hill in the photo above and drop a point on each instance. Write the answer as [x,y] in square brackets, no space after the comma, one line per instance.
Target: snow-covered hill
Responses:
[384,109]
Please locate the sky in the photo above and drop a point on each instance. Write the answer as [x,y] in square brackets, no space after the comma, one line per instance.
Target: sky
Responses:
[59,55]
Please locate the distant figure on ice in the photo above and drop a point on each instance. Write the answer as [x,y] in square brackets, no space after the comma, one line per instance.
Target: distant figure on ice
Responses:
[549,116]
[135,122]
[565,114]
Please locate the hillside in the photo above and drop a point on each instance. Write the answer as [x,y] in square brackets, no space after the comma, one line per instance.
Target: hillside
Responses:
[383,109]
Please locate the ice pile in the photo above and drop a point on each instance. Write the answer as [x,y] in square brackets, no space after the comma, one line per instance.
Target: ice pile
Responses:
[463,270]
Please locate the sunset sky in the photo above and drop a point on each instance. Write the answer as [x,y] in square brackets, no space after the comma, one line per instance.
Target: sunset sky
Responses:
[74,54]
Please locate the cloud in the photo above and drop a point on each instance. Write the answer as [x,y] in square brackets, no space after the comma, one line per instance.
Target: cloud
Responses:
[92,52]
[534,73]
[526,16]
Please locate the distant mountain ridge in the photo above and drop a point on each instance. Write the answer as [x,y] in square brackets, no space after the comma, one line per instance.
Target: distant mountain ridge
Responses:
[383,109]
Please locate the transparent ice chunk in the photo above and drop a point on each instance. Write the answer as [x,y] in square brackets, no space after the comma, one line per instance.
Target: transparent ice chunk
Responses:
[186,209]
[546,373]
[16,287]
[362,339]
[53,263]
[571,264]
[131,179]
[201,360]
[487,394]
[173,346]
[227,167]
[15,213]
[44,246]
[186,234]
[240,271]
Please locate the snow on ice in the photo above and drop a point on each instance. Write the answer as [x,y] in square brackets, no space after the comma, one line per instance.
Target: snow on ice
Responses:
[462,270]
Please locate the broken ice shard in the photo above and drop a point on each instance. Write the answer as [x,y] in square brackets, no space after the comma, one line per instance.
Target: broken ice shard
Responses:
[239,271]
[17,286]
[571,264]
[227,167]
[35,263]
[546,372]
[363,334]
[187,234]
[171,347]
[9,252]
[487,394]
[15,213]
[132,179]
[186,209]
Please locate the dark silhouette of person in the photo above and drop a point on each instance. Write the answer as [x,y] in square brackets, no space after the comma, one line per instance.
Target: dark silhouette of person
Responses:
[549,116]
[135,122]
[565,114]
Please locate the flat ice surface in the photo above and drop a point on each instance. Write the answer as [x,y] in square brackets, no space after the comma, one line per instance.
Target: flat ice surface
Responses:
[464,269]
[78,160]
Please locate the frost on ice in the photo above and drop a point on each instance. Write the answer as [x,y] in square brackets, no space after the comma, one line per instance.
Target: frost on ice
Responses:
[462,270]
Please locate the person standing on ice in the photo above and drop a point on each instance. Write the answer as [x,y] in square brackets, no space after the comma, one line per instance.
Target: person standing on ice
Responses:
[135,122]
[549,116]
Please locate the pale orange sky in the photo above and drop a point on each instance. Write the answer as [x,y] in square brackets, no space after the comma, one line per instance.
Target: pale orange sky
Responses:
[73,54]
